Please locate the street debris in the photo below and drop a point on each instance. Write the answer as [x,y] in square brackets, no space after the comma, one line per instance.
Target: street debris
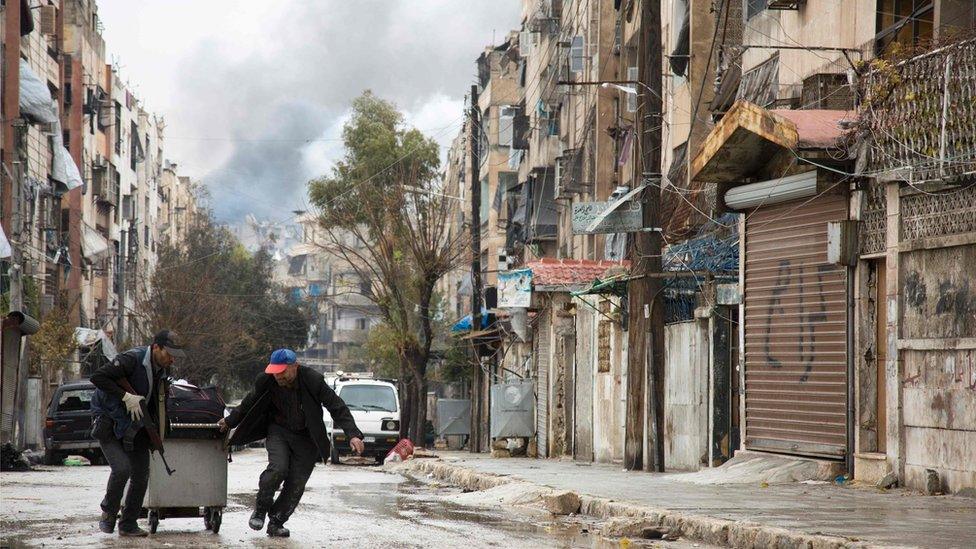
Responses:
[562,503]
[12,459]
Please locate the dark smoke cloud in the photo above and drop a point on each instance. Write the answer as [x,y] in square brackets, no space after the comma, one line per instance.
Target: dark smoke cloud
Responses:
[302,74]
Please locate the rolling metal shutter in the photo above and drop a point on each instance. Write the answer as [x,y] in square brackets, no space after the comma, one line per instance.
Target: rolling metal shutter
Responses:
[795,330]
[541,339]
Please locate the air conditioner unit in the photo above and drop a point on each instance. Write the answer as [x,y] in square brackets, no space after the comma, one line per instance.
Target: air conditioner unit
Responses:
[100,162]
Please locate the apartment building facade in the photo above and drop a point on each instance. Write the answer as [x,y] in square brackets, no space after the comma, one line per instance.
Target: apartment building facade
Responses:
[778,157]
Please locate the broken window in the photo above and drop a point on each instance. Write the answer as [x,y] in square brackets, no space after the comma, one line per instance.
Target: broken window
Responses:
[903,23]
[755,7]
[680,32]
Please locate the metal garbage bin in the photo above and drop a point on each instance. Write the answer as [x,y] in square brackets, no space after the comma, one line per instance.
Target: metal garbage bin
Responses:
[198,485]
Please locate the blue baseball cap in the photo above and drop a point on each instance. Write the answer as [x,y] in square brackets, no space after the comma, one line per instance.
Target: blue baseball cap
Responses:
[280,359]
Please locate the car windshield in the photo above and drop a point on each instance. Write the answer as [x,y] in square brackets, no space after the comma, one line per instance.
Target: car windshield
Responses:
[75,400]
[369,397]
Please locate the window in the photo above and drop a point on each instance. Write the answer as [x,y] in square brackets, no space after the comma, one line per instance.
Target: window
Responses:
[506,124]
[362,323]
[632,97]
[77,400]
[133,145]
[680,41]
[754,7]
[369,397]
[905,22]
[577,53]
[484,201]
[118,128]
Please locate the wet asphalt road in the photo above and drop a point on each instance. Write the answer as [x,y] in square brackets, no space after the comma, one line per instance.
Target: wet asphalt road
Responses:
[344,506]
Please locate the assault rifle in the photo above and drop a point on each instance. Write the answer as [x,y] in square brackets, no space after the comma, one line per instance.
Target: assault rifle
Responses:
[155,441]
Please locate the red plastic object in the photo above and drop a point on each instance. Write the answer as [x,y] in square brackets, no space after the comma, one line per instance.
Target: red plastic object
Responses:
[404,448]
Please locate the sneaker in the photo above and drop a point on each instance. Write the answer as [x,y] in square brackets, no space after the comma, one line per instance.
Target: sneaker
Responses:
[276,530]
[257,519]
[107,523]
[133,532]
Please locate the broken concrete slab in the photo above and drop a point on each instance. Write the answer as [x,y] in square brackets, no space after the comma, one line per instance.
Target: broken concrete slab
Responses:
[562,503]
[748,467]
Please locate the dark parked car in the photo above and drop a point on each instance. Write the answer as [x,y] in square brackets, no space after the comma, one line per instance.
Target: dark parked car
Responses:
[67,429]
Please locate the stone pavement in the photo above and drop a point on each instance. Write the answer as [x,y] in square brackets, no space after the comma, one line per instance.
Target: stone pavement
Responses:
[865,514]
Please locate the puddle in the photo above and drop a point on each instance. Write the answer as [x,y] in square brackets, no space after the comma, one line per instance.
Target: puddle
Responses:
[423,504]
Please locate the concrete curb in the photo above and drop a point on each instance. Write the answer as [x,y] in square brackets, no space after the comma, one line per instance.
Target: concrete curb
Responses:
[631,518]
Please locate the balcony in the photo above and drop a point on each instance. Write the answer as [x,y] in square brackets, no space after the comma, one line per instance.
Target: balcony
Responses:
[105,189]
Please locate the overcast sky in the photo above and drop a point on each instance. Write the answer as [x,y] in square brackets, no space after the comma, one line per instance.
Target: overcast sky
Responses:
[254,93]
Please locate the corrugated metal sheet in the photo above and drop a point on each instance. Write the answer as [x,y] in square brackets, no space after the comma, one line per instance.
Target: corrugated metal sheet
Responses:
[541,339]
[795,330]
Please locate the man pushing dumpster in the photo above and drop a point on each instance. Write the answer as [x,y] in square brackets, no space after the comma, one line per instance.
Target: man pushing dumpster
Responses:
[122,390]
[285,409]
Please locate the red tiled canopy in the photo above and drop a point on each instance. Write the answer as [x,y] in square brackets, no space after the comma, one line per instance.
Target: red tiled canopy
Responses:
[550,274]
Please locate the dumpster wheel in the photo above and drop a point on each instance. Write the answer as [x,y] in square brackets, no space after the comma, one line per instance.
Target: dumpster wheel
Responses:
[153,521]
[212,517]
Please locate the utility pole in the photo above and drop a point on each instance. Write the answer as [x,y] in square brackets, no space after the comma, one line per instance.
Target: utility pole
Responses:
[11,199]
[123,257]
[645,361]
[474,439]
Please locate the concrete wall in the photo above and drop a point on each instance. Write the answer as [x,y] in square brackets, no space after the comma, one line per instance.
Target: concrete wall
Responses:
[686,396]
[939,383]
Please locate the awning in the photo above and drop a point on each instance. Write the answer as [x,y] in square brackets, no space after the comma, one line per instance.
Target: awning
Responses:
[64,170]
[464,325]
[36,104]
[94,246]
[609,286]
[748,136]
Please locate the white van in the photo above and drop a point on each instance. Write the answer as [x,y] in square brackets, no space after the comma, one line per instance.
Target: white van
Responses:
[375,405]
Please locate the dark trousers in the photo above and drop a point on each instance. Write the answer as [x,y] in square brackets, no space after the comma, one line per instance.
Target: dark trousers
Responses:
[128,466]
[291,458]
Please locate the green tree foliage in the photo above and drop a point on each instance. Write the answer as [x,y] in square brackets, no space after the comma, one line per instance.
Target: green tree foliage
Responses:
[222,300]
[386,217]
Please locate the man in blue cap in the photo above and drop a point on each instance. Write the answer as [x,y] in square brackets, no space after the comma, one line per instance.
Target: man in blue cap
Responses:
[284,408]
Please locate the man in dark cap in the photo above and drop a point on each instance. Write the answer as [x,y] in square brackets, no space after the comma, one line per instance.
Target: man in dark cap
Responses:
[285,409]
[116,411]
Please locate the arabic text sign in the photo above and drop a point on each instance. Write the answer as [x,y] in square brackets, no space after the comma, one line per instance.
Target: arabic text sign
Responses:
[626,218]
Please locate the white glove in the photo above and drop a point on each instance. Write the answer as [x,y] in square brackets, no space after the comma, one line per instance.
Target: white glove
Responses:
[132,405]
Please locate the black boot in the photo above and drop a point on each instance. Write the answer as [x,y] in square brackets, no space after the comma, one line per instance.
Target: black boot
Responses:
[257,519]
[132,532]
[277,529]
[107,523]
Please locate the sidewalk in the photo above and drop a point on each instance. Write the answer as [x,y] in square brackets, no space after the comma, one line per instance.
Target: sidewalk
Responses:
[859,514]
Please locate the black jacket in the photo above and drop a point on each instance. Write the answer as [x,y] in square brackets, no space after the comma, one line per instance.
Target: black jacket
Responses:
[130,365]
[256,411]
